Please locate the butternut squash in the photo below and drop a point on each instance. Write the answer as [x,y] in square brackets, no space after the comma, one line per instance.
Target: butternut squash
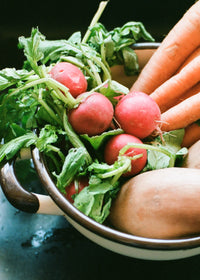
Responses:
[162,203]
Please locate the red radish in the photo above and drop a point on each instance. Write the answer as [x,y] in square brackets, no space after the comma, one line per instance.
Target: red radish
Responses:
[116,143]
[71,189]
[138,114]
[71,76]
[93,115]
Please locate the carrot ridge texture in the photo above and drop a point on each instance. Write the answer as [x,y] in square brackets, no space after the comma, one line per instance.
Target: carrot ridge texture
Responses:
[183,38]
[190,92]
[174,87]
[181,115]
[194,54]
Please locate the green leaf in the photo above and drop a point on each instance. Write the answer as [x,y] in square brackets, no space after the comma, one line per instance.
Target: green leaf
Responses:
[172,142]
[10,149]
[17,130]
[95,200]
[109,46]
[117,43]
[112,90]
[135,30]
[84,201]
[31,48]
[157,160]
[17,109]
[131,65]
[11,76]
[98,140]
[75,38]
[53,49]
[174,139]
[73,163]
[43,117]
[47,136]
[99,168]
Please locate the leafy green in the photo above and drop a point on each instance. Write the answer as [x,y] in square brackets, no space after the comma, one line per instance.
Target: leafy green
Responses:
[54,49]
[10,149]
[173,139]
[131,66]
[103,48]
[172,143]
[11,76]
[19,110]
[48,135]
[112,90]
[95,200]
[98,140]
[74,161]
[31,48]
[117,43]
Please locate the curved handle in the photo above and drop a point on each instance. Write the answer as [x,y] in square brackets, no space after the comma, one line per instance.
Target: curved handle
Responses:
[22,199]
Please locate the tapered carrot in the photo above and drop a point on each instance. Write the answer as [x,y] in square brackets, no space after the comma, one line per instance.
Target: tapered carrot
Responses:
[181,115]
[194,54]
[174,87]
[192,91]
[183,39]
[192,135]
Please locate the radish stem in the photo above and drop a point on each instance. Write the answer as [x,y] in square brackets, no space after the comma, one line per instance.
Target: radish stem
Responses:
[95,19]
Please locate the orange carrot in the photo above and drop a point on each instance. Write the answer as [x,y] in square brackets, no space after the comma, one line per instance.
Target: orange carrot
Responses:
[192,91]
[174,87]
[194,54]
[192,135]
[181,115]
[183,39]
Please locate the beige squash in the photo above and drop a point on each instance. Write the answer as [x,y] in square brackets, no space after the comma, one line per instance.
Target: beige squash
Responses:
[193,158]
[162,203]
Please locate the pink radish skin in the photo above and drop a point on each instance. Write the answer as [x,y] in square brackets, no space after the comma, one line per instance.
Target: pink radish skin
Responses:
[116,143]
[93,115]
[138,114]
[70,76]
[71,189]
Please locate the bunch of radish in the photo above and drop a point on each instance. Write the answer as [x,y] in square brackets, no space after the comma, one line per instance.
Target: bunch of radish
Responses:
[137,114]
